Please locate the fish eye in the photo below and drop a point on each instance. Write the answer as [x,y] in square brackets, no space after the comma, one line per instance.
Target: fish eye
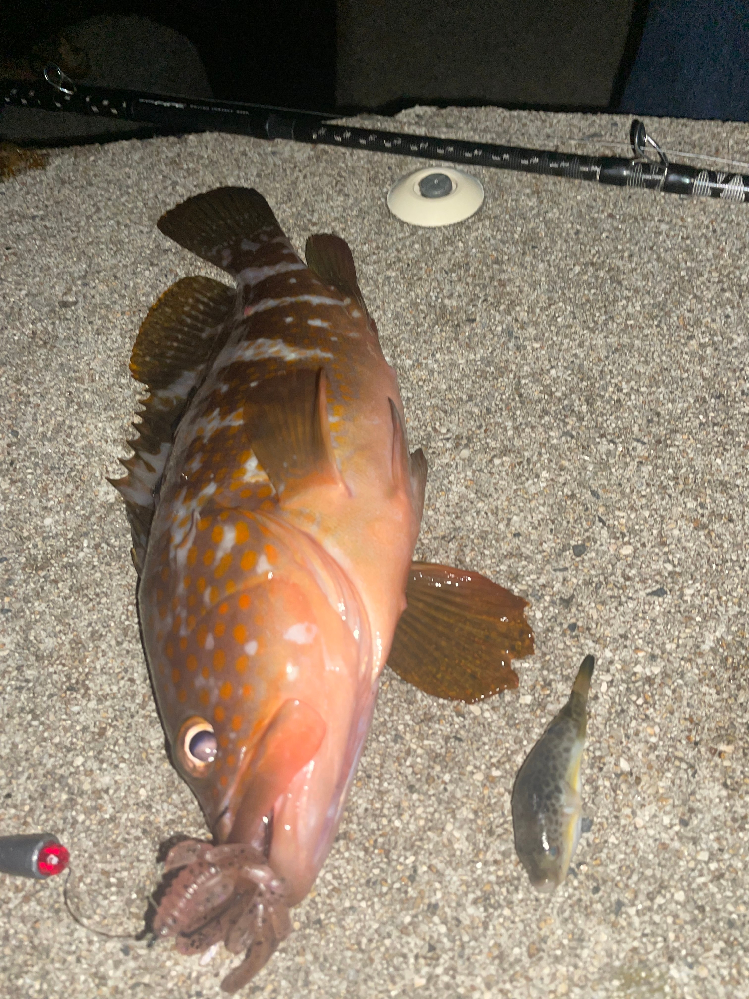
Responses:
[197,746]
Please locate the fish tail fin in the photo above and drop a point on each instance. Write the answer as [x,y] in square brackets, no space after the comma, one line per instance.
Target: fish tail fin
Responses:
[225,226]
[584,674]
[576,707]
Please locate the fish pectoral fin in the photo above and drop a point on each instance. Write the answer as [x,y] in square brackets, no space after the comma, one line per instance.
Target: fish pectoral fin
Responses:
[286,420]
[290,740]
[219,225]
[331,259]
[172,349]
[459,633]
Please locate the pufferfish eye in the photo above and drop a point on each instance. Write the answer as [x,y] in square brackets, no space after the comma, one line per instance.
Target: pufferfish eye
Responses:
[197,746]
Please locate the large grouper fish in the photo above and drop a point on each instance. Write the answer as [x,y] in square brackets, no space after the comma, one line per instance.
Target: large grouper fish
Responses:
[274,509]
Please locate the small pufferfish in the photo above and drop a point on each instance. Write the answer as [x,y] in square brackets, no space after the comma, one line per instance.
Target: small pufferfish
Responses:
[546,801]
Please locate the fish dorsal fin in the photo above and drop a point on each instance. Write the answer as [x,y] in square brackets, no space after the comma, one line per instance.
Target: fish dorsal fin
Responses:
[225,226]
[175,342]
[331,259]
[459,633]
[286,419]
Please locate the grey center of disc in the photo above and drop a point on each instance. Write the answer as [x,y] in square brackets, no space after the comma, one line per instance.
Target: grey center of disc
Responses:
[435,185]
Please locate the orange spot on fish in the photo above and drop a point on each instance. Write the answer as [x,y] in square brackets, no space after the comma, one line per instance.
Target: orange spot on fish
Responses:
[248,560]
[165,573]
[245,601]
[230,587]
[241,532]
[183,644]
[181,696]
[248,690]
[175,676]
[226,690]
[208,557]
[241,664]
[200,584]
[223,780]
[213,594]
[191,662]
[201,635]
[219,714]
[223,741]
[231,758]
[169,650]
[222,566]
[267,505]
[192,600]
[219,658]
[223,608]
[245,456]
[203,522]
[223,515]
[271,553]
[259,620]
[240,633]
[186,582]
[264,491]
[236,722]
[217,534]
[175,603]
[204,697]
[192,555]
[205,672]
[219,629]
[162,611]
[190,621]
[246,493]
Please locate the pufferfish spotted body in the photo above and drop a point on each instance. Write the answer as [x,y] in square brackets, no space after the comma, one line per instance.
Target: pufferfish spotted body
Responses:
[274,509]
[546,800]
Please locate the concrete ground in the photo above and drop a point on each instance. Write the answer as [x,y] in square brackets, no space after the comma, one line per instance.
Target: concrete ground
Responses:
[573,360]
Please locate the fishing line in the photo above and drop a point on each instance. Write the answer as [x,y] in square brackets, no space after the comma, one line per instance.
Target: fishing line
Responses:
[81,922]
[649,166]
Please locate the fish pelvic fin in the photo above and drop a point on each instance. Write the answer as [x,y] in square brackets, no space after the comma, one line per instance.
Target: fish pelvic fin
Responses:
[419,468]
[286,420]
[331,259]
[172,350]
[225,226]
[459,633]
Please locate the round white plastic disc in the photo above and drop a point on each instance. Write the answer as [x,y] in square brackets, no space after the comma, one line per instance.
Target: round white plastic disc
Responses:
[437,195]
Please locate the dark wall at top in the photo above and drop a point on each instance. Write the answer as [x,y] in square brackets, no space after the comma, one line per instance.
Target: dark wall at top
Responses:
[270,53]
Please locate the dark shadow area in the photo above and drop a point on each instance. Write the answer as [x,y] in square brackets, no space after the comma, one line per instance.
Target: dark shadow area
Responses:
[631,47]
[263,53]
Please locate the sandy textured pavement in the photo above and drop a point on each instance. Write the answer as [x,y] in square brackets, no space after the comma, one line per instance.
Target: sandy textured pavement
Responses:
[573,360]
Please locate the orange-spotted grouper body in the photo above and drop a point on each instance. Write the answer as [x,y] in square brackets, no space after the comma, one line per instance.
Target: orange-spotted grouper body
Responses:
[274,508]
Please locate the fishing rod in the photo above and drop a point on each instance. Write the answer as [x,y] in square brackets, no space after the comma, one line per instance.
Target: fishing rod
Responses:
[647,168]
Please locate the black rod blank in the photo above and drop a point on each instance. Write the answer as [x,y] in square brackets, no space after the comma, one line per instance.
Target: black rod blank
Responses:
[187,114]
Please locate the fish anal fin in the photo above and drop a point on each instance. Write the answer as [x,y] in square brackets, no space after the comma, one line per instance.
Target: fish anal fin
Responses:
[179,331]
[176,340]
[459,633]
[290,740]
[225,226]
[286,420]
[331,259]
